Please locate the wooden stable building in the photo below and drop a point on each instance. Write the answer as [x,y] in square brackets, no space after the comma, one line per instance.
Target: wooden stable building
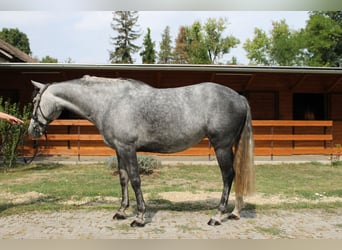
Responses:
[295,110]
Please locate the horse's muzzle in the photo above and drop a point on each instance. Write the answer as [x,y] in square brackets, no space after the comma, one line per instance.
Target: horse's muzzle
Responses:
[34,130]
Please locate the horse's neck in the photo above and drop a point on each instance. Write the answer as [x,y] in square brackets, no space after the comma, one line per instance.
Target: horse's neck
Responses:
[86,101]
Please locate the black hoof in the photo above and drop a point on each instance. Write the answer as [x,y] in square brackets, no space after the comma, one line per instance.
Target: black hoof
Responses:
[119,216]
[137,224]
[213,222]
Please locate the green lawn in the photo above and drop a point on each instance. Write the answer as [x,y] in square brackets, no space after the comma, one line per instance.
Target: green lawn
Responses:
[56,184]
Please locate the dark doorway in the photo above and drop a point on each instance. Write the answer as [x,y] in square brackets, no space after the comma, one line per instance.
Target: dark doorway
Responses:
[308,107]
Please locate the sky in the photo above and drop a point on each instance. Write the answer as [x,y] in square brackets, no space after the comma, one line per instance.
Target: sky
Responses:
[84,36]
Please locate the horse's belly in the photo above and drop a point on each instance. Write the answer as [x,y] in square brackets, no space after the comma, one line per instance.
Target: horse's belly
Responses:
[169,145]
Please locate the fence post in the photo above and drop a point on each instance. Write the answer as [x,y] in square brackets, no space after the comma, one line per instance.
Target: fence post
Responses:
[78,142]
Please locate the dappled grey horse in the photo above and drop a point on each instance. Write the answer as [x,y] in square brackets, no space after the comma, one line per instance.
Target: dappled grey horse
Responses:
[133,116]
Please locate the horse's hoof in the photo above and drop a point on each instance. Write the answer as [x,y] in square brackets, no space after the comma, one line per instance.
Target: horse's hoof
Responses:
[119,216]
[233,217]
[136,223]
[213,222]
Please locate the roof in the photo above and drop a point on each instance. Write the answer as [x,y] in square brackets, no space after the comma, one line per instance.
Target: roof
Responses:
[13,54]
[237,77]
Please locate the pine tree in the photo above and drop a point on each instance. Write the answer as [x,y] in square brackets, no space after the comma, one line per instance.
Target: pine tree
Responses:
[180,55]
[165,53]
[148,54]
[124,23]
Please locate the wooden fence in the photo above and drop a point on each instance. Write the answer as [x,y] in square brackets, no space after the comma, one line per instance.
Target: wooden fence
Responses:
[272,137]
[288,137]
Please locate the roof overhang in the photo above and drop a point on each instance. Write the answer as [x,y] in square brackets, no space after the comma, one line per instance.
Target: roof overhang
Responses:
[240,78]
[173,67]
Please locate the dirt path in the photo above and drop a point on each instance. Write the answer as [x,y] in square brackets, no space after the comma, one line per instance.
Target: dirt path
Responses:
[184,224]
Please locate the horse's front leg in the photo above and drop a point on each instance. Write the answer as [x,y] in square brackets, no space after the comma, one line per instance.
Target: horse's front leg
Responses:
[129,165]
[121,214]
[133,173]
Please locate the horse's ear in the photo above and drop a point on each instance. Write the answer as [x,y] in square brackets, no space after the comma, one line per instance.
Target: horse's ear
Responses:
[37,84]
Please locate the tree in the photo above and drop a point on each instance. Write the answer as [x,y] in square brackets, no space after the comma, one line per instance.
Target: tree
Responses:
[49,59]
[195,45]
[281,47]
[285,48]
[148,54]
[323,39]
[258,49]
[16,38]
[203,44]
[217,45]
[180,55]
[165,52]
[124,23]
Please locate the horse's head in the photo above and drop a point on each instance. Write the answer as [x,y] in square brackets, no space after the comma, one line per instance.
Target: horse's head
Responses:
[45,110]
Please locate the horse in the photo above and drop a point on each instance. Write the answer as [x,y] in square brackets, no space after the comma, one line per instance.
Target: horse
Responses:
[133,116]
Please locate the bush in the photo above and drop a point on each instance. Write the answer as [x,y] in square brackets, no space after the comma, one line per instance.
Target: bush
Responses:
[146,163]
[12,135]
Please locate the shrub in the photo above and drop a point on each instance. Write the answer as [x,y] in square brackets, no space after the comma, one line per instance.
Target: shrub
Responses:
[146,163]
[12,135]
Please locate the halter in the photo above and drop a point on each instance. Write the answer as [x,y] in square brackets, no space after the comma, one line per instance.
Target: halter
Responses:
[34,114]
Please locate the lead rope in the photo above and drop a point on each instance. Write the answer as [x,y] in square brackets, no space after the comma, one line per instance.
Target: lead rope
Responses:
[35,146]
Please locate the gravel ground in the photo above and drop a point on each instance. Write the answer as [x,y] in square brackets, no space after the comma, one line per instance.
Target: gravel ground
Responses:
[308,224]
[166,224]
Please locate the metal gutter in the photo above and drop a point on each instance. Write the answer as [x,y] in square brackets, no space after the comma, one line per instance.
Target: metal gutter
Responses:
[172,67]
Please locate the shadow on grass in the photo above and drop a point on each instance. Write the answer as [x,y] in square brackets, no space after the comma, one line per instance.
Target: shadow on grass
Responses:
[44,203]
[44,166]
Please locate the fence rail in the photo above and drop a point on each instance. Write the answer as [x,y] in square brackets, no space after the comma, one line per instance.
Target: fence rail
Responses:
[272,137]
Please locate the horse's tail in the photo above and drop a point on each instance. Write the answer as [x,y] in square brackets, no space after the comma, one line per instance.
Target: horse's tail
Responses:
[244,181]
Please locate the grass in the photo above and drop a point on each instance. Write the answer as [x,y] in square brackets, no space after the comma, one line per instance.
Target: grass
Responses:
[311,181]
[55,184]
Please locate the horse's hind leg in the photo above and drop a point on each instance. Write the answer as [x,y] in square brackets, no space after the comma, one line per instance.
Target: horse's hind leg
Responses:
[235,215]
[224,157]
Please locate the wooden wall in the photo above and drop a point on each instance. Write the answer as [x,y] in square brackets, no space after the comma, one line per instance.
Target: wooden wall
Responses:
[270,90]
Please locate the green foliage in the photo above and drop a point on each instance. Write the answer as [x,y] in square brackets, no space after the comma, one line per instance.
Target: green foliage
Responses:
[318,44]
[323,38]
[12,135]
[280,47]
[49,59]
[146,163]
[165,53]
[196,47]
[124,23]
[148,54]
[284,49]
[258,48]
[203,44]
[16,38]
[217,45]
